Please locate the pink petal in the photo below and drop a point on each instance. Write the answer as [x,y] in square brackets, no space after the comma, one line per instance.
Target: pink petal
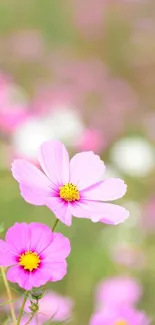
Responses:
[34,185]
[42,275]
[80,210]
[86,168]
[107,190]
[18,236]
[54,160]
[17,275]
[60,209]
[7,254]
[58,250]
[111,214]
[59,270]
[98,211]
[41,236]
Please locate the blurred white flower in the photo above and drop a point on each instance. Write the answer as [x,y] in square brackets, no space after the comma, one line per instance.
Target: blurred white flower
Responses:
[62,124]
[133,156]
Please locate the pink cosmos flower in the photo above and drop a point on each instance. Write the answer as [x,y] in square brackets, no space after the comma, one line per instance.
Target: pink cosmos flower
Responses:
[53,306]
[120,316]
[117,291]
[34,254]
[70,188]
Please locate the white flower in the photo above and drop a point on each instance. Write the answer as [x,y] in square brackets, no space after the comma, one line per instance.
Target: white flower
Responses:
[62,124]
[133,156]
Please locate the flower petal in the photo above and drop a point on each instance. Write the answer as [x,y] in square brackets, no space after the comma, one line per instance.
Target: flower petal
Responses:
[54,160]
[111,214]
[58,250]
[41,236]
[98,211]
[86,168]
[7,254]
[60,209]
[107,190]
[34,185]
[17,274]
[42,275]
[58,271]
[18,236]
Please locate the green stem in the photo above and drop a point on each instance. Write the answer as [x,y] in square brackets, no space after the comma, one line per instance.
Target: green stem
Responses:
[55,224]
[22,308]
[9,295]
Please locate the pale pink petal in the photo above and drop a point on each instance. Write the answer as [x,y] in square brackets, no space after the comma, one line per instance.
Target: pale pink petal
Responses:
[58,250]
[80,210]
[60,209]
[34,185]
[86,168]
[107,190]
[54,160]
[98,211]
[33,195]
[18,275]
[7,254]
[111,214]
[18,236]
[41,236]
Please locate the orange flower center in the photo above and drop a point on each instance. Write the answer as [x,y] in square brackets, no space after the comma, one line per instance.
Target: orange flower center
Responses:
[69,192]
[29,260]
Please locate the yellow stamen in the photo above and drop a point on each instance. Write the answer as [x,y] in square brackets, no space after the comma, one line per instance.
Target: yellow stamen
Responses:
[29,260]
[121,322]
[69,192]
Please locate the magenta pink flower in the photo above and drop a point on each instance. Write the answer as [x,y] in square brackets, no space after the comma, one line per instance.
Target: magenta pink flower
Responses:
[116,291]
[70,188]
[53,306]
[120,316]
[34,254]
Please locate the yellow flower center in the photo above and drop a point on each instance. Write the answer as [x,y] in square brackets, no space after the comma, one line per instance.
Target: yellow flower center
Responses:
[121,322]
[29,260]
[69,192]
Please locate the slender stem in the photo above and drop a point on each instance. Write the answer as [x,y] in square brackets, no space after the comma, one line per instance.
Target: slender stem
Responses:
[9,295]
[55,224]
[29,320]
[22,308]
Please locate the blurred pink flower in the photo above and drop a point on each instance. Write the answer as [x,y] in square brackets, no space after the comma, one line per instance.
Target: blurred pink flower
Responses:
[70,188]
[13,105]
[89,16]
[120,316]
[53,306]
[49,99]
[91,140]
[129,255]
[34,254]
[117,291]
[27,44]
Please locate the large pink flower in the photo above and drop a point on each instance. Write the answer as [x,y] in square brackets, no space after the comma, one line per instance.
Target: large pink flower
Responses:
[34,254]
[70,188]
